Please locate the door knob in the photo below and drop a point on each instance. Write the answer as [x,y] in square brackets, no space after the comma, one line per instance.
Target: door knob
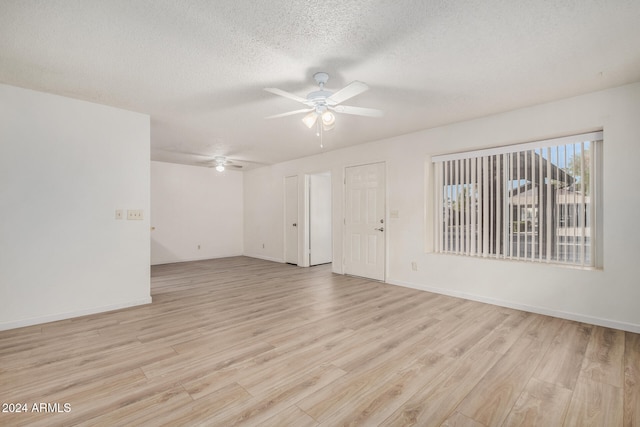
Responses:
[379,229]
[294,224]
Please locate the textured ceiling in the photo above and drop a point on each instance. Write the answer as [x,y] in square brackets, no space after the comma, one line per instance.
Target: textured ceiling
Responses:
[198,68]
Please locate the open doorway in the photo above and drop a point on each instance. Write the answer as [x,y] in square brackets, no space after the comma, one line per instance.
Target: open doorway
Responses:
[319,220]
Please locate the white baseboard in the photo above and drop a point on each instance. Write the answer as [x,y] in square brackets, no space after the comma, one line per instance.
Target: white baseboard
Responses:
[203,258]
[266,258]
[62,316]
[608,323]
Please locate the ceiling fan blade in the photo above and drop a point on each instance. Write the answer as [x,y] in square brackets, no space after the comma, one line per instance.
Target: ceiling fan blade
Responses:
[358,111]
[226,165]
[289,95]
[349,91]
[290,113]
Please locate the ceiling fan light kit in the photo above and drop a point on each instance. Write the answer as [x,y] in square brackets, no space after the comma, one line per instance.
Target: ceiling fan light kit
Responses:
[310,119]
[328,118]
[323,103]
[220,162]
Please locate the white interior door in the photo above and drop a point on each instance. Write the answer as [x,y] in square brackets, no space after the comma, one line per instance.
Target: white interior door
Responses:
[364,221]
[320,250]
[291,220]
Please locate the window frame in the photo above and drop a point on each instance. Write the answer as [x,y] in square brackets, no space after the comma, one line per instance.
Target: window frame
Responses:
[463,166]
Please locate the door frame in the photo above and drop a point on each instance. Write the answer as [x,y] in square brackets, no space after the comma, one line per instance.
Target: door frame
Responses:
[286,219]
[307,214]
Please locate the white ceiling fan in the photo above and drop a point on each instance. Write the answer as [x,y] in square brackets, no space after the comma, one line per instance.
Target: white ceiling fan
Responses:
[323,103]
[221,163]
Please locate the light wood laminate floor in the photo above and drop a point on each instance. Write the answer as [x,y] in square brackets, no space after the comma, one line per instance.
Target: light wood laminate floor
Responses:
[240,341]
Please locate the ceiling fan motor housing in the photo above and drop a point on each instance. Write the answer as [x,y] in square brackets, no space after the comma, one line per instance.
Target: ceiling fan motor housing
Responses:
[318,97]
[321,78]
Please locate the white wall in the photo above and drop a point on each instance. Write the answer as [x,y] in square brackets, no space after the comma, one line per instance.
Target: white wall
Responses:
[264,214]
[196,213]
[608,297]
[65,167]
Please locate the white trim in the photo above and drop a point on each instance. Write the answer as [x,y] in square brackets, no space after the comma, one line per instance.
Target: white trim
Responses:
[284,219]
[69,315]
[572,139]
[306,230]
[265,258]
[607,323]
[176,261]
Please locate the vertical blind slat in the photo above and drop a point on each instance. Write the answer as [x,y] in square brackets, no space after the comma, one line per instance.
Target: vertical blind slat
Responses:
[549,224]
[517,186]
[449,176]
[485,206]
[525,221]
[580,209]
[539,211]
[472,208]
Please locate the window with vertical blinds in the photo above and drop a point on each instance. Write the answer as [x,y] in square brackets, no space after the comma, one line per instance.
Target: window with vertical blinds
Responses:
[534,202]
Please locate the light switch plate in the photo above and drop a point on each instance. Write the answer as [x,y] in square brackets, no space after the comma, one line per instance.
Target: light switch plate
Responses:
[134,214]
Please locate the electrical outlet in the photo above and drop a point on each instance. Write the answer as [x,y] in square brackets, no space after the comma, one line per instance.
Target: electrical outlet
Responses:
[119,214]
[134,214]
[414,266]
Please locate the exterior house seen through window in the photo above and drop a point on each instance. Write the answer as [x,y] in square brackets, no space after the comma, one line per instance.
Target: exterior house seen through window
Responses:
[535,202]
